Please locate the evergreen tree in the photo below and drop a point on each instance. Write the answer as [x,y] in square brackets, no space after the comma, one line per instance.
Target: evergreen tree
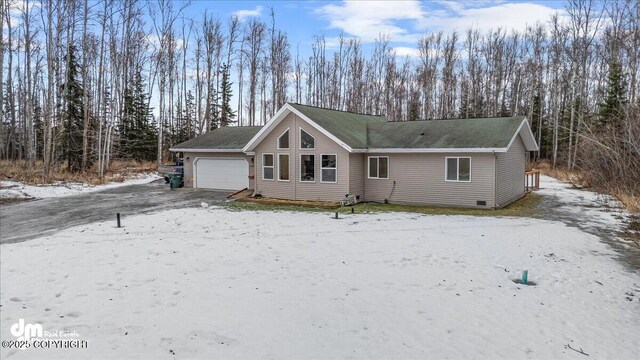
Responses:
[138,135]
[214,112]
[227,115]
[611,111]
[504,110]
[185,131]
[38,129]
[535,114]
[465,109]
[190,117]
[414,107]
[73,114]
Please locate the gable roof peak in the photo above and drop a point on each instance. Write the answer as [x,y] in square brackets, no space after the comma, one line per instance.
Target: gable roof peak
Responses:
[294,104]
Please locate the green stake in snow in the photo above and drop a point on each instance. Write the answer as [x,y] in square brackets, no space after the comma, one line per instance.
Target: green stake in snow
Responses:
[525,273]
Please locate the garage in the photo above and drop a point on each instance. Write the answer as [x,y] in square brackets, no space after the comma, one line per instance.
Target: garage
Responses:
[221,173]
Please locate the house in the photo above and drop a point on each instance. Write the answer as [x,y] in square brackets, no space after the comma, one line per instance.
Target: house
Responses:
[311,153]
[215,160]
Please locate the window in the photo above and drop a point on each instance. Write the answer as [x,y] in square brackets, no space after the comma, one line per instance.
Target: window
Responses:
[283,141]
[458,169]
[378,167]
[283,167]
[306,140]
[329,168]
[307,168]
[267,166]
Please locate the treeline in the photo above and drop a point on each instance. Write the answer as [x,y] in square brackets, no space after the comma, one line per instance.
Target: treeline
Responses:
[80,79]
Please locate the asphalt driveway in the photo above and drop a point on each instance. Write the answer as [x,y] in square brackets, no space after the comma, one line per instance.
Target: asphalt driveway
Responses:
[28,220]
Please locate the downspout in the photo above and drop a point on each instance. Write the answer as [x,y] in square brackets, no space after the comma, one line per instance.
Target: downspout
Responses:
[364,175]
[296,156]
[393,187]
[495,180]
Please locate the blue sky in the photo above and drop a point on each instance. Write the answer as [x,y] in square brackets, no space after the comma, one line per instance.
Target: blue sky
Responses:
[403,21]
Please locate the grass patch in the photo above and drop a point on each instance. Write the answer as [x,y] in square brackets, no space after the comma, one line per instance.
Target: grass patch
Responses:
[8,201]
[580,179]
[632,202]
[251,206]
[559,172]
[267,204]
[328,205]
[119,170]
[527,206]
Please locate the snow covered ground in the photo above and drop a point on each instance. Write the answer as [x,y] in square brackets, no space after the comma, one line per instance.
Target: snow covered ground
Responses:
[594,210]
[18,190]
[213,283]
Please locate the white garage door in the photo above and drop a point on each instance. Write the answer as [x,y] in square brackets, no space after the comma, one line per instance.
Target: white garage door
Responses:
[226,174]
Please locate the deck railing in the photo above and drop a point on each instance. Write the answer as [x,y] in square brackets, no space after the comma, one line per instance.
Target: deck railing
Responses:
[532,180]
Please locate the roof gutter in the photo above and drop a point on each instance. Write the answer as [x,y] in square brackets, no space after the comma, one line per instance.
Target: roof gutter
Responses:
[206,150]
[373,150]
[432,150]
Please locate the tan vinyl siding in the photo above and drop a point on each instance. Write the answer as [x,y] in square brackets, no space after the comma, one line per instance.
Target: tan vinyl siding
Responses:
[420,179]
[294,189]
[510,167]
[356,175]
[189,157]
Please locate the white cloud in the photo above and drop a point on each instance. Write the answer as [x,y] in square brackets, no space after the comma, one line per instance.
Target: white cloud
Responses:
[154,41]
[406,21]
[246,13]
[370,19]
[16,11]
[509,16]
[403,51]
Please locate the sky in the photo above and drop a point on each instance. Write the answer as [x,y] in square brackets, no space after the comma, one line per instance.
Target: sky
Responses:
[403,21]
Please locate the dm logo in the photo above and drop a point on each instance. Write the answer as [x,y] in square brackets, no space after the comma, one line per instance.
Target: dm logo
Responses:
[26,332]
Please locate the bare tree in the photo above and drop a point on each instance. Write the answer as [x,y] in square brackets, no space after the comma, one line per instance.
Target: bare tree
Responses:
[253,52]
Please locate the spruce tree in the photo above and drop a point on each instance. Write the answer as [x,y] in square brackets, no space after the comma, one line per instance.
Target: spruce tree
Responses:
[187,119]
[73,114]
[464,107]
[138,135]
[414,107]
[611,110]
[227,115]
[190,116]
[38,128]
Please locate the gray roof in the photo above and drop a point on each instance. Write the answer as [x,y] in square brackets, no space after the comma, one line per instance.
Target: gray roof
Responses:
[225,138]
[351,128]
[444,134]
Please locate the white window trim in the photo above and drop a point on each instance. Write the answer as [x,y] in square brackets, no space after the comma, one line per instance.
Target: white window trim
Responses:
[289,155]
[272,166]
[278,141]
[314,169]
[328,168]
[369,165]
[446,168]
[300,140]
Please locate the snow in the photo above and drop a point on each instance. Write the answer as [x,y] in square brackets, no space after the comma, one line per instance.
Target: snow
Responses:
[14,189]
[208,282]
[593,210]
